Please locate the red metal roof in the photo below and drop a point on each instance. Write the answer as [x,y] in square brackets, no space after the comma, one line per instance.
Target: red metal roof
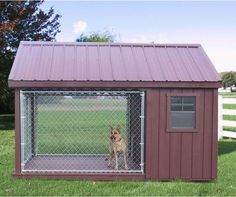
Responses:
[54,61]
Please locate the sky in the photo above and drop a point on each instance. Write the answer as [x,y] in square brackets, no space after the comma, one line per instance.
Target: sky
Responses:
[211,24]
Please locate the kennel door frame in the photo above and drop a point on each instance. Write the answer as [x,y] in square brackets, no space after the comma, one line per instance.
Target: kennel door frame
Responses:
[112,92]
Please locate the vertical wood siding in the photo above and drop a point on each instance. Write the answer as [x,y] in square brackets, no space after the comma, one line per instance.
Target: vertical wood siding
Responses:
[152,135]
[197,144]
[164,138]
[214,135]
[175,149]
[17,132]
[181,155]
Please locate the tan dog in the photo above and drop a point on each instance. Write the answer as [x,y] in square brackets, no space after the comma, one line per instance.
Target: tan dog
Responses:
[117,144]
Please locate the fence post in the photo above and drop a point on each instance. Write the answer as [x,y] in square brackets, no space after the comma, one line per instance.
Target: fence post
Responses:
[220,117]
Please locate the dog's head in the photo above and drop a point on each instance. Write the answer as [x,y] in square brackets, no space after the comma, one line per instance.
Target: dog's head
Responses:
[115,133]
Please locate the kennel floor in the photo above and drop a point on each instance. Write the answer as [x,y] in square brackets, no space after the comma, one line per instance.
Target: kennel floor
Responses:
[68,163]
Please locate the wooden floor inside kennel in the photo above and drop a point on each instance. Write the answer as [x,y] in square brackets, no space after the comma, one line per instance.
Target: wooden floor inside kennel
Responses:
[74,163]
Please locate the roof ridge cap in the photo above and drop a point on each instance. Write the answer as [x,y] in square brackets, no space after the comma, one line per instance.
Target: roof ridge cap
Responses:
[190,45]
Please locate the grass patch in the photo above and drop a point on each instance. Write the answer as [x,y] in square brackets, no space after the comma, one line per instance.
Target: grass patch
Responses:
[229,106]
[229,117]
[228,128]
[77,132]
[225,184]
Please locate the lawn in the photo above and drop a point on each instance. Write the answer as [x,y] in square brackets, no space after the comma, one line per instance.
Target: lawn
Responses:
[225,184]
[77,132]
[75,126]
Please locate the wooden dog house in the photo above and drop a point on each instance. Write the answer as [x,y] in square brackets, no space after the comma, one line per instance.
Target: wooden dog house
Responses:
[177,88]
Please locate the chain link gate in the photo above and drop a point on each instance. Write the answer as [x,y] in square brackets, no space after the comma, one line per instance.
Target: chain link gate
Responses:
[69,131]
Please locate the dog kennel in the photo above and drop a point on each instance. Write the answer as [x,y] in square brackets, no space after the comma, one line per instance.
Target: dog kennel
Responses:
[68,95]
[69,131]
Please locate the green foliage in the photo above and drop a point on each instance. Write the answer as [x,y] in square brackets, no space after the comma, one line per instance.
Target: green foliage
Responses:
[229,79]
[97,37]
[5,95]
[7,122]
[21,20]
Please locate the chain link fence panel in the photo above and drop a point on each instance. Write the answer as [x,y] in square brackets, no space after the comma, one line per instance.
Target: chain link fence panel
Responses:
[69,131]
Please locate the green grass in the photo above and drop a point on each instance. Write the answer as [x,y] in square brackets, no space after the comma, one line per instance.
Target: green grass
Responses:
[229,106]
[229,117]
[225,184]
[77,132]
[228,128]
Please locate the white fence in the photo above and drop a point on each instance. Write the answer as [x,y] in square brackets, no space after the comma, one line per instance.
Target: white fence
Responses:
[221,121]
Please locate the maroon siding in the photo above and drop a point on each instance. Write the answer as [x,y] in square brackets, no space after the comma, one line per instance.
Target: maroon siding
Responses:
[17,132]
[186,156]
[164,138]
[175,149]
[187,149]
[181,155]
[207,135]
[197,144]
[151,164]
[214,135]
[148,135]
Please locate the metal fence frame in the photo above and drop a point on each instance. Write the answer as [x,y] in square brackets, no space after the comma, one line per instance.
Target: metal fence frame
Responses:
[33,113]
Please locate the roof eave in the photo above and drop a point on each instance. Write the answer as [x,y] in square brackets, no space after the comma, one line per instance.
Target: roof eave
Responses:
[113,84]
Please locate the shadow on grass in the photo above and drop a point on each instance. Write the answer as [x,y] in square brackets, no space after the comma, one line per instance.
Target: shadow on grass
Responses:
[7,122]
[226,146]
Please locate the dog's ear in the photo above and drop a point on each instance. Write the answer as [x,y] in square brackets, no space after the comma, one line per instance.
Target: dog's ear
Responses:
[118,128]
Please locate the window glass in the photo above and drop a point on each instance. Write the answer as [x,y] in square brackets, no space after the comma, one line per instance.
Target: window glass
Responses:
[176,100]
[176,108]
[189,99]
[183,112]
[189,108]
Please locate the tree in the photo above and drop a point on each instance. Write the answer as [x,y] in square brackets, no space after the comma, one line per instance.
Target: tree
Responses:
[21,20]
[97,37]
[228,79]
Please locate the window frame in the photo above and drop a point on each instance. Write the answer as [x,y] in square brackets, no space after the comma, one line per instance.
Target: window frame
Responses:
[197,107]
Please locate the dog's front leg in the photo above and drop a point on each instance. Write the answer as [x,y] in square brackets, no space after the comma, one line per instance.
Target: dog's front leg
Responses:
[111,155]
[116,158]
[109,160]
[125,159]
